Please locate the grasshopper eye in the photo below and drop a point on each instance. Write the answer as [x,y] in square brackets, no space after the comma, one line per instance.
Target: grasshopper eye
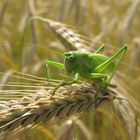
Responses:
[71,57]
[68,54]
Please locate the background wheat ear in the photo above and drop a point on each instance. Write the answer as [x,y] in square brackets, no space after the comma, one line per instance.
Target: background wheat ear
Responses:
[67,35]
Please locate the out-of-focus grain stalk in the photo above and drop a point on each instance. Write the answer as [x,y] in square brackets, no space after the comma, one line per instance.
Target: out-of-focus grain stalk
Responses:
[127,109]
[84,129]
[135,57]
[32,12]
[5,78]
[98,38]
[129,16]
[66,132]
[77,14]
[3,10]
[62,10]
[74,5]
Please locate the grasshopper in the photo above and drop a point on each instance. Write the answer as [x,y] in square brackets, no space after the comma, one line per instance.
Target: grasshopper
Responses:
[92,66]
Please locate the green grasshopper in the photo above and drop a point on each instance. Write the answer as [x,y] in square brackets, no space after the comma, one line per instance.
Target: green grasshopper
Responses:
[92,66]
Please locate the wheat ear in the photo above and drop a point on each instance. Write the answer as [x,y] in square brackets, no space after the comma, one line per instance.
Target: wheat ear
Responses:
[65,103]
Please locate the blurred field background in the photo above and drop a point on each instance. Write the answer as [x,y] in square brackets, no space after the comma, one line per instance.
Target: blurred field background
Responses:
[24,47]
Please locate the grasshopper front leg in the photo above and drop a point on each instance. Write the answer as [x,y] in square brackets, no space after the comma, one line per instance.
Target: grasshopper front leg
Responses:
[63,83]
[61,66]
[55,64]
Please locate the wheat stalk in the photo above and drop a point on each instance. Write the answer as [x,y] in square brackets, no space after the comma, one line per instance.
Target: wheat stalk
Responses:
[66,102]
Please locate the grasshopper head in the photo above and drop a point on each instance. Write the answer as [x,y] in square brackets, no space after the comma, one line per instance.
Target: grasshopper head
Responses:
[69,62]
